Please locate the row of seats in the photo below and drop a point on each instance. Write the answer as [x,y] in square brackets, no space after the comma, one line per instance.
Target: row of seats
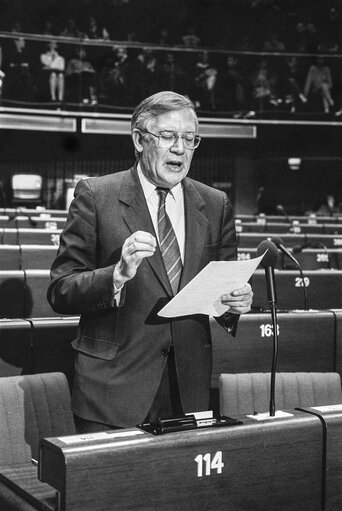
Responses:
[46,222]
[23,292]
[309,341]
[290,219]
[10,236]
[295,228]
[28,222]
[41,408]
[35,257]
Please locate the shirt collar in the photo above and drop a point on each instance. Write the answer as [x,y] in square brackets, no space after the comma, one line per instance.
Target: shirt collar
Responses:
[149,188]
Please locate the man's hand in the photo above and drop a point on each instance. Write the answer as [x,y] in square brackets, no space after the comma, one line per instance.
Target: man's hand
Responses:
[135,248]
[239,300]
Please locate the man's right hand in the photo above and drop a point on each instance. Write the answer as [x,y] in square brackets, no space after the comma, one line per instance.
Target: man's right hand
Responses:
[139,245]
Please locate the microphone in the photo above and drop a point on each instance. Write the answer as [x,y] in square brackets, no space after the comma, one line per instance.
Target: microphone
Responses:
[279,243]
[268,262]
[280,208]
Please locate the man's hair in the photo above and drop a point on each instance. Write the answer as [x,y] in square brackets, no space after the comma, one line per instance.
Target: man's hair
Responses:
[157,104]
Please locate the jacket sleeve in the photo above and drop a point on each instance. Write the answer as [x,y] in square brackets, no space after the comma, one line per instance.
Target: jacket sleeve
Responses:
[228,251]
[78,285]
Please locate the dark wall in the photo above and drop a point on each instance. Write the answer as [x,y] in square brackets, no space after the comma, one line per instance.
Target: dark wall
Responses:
[240,166]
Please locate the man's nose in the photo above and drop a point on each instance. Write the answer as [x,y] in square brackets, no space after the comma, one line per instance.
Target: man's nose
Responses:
[178,146]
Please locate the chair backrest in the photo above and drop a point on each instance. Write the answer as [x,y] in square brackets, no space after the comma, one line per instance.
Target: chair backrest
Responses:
[247,393]
[32,407]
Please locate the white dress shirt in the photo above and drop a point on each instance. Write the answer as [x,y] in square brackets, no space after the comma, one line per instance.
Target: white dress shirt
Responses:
[174,206]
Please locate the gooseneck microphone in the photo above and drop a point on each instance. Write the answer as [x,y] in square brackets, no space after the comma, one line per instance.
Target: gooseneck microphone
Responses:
[268,262]
[279,243]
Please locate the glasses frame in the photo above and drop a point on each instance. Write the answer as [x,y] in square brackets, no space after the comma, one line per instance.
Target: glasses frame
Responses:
[181,135]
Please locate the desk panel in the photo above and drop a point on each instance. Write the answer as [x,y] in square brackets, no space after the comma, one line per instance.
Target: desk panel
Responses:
[37,346]
[30,236]
[269,465]
[306,343]
[324,289]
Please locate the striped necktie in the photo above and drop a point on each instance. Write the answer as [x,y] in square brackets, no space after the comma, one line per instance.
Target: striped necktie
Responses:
[168,242]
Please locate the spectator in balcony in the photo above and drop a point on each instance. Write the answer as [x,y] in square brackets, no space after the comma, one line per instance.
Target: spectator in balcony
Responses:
[264,87]
[48,28]
[71,30]
[190,39]
[230,88]
[94,32]
[17,68]
[146,75]
[305,38]
[173,75]
[205,82]
[54,65]
[81,79]
[274,44]
[293,84]
[114,79]
[318,86]
[164,37]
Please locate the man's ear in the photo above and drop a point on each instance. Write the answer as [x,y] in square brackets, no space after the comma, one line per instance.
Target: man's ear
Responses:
[137,140]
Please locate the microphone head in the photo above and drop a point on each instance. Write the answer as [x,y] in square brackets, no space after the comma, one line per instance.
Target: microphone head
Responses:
[271,256]
[277,241]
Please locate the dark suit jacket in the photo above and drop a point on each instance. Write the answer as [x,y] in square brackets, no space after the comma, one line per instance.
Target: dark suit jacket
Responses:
[120,350]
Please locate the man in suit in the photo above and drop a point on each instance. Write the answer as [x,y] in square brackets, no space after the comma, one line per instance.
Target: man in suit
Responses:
[132,365]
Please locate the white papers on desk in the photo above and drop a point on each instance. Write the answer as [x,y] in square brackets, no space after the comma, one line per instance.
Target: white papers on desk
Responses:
[202,295]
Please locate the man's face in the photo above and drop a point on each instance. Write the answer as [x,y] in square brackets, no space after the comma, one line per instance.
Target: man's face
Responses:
[166,166]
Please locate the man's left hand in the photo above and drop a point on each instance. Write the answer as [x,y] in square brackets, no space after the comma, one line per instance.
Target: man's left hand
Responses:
[239,301]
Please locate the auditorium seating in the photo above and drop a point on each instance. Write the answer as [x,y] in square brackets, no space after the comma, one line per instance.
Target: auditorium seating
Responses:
[249,393]
[31,407]
[32,221]
[323,289]
[37,345]
[307,343]
[27,257]
[23,294]
[41,212]
[36,236]
[308,258]
[253,239]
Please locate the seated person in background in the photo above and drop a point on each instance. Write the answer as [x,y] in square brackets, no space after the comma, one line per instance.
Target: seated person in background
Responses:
[17,68]
[318,85]
[94,32]
[114,77]
[54,65]
[329,206]
[80,75]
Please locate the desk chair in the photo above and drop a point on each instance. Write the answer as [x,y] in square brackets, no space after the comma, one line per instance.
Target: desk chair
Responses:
[246,393]
[31,407]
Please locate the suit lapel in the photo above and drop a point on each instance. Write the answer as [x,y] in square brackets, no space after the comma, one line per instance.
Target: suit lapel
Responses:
[196,225]
[137,218]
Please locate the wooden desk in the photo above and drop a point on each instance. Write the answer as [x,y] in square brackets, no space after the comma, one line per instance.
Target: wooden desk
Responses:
[269,465]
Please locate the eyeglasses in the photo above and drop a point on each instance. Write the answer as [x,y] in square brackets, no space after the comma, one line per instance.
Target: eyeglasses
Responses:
[167,138]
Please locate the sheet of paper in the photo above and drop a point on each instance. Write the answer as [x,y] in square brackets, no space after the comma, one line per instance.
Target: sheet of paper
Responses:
[202,294]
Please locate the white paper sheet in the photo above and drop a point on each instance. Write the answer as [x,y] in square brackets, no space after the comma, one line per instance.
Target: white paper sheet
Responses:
[202,294]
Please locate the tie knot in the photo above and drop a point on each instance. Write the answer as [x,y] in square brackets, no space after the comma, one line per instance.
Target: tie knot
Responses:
[162,192]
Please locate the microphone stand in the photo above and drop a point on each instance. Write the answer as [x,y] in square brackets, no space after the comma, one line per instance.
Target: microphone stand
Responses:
[272,300]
